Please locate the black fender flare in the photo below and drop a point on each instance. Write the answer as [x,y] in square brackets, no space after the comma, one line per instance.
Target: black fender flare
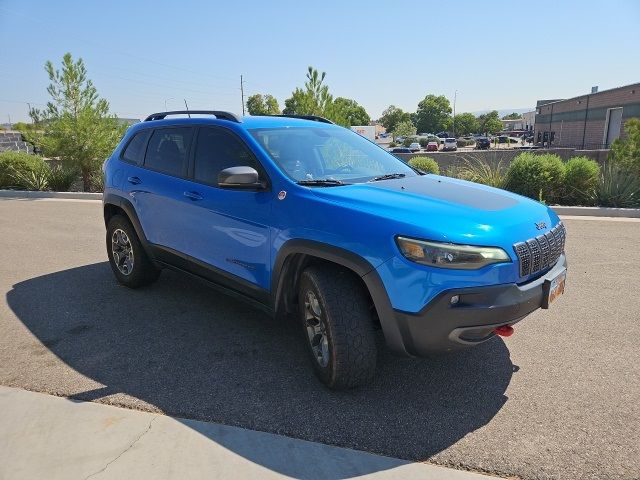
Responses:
[128,208]
[347,259]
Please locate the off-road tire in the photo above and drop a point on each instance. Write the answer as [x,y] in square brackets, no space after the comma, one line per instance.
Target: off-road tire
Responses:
[349,329]
[143,272]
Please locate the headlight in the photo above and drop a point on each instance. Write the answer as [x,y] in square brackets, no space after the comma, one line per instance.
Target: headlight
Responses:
[450,255]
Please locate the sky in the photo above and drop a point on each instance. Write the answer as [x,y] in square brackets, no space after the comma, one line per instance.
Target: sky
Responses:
[142,55]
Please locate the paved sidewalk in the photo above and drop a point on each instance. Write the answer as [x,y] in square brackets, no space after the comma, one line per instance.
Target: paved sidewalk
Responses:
[43,436]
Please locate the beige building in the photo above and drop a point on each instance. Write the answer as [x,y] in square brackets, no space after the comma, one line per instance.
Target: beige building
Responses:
[590,122]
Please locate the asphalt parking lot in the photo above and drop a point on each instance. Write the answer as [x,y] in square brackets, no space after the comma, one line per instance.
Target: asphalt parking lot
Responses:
[559,399]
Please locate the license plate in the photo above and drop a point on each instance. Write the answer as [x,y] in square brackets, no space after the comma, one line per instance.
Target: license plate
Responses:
[552,289]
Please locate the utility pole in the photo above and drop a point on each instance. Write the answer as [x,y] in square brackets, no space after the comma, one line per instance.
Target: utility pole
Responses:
[455,97]
[242,94]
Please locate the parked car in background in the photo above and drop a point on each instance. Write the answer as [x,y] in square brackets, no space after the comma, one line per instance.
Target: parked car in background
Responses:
[450,144]
[483,143]
[432,146]
[400,150]
[414,147]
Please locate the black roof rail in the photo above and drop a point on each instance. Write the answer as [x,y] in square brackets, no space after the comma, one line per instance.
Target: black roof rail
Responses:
[217,113]
[314,118]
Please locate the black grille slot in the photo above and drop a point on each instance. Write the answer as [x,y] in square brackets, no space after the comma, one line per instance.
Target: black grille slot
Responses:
[524,257]
[544,251]
[535,254]
[541,252]
[553,247]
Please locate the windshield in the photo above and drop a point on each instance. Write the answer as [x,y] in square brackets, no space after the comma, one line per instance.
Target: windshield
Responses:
[318,153]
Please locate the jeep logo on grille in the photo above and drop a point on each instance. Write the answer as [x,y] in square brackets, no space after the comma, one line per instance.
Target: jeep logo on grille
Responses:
[541,225]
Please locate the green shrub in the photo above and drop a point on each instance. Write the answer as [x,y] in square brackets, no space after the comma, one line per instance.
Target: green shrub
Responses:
[60,178]
[425,164]
[393,144]
[626,153]
[34,179]
[463,142]
[17,165]
[96,182]
[423,142]
[536,176]
[408,141]
[580,181]
[616,188]
[476,170]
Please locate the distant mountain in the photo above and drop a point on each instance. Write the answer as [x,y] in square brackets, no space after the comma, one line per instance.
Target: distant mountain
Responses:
[505,111]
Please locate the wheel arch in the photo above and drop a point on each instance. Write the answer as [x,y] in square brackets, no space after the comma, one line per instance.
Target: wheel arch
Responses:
[117,205]
[295,255]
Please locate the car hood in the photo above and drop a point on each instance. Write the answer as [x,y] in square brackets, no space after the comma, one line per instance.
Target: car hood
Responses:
[446,209]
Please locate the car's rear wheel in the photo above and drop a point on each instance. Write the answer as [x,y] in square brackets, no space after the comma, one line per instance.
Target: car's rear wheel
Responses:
[129,262]
[336,321]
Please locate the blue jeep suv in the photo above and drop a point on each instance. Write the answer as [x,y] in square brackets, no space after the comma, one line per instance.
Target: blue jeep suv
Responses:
[308,220]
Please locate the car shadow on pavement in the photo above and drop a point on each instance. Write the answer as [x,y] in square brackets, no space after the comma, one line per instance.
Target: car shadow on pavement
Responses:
[189,351]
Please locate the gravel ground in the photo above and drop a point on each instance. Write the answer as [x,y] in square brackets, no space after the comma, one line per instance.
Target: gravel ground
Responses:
[559,399]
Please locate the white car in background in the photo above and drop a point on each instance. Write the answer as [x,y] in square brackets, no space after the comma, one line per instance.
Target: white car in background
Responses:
[449,144]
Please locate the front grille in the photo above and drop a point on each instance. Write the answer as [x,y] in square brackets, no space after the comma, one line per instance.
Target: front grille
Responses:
[540,252]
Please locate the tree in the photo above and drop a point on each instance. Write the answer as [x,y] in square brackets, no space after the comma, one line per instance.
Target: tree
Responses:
[76,126]
[404,129]
[392,116]
[626,152]
[490,122]
[262,105]
[433,114]
[314,99]
[351,112]
[512,116]
[465,123]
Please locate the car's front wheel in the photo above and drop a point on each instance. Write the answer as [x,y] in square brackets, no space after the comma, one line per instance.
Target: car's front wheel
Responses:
[336,321]
[129,262]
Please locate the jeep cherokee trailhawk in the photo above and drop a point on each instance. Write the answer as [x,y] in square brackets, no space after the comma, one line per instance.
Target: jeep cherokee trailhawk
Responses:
[305,218]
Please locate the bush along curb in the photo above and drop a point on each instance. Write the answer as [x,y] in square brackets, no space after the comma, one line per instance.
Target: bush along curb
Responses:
[37,194]
[597,211]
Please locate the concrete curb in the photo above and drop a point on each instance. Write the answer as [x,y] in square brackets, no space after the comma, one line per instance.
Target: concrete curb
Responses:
[597,211]
[65,195]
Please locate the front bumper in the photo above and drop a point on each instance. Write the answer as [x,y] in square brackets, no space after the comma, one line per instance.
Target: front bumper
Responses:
[441,326]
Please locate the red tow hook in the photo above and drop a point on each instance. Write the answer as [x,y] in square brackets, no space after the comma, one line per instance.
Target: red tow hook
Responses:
[504,331]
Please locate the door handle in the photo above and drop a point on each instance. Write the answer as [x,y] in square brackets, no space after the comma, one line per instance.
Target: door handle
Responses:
[193,195]
[134,180]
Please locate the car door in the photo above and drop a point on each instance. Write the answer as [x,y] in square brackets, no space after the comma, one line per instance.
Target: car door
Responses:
[227,229]
[156,188]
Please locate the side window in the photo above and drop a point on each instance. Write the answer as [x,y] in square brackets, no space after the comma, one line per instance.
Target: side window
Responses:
[218,149]
[167,150]
[134,152]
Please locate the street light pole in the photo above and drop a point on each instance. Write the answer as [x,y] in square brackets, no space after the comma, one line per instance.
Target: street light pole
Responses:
[455,97]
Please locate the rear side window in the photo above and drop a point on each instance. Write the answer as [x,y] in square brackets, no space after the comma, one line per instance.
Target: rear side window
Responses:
[135,149]
[218,149]
[167,150]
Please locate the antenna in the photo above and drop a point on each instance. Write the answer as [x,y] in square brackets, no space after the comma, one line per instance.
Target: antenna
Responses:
[187,107]
[242,94]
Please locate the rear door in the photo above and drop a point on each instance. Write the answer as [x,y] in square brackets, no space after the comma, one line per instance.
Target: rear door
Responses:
[157,187]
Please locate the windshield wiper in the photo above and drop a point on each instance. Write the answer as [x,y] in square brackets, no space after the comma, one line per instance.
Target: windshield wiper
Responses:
[388,176]
[321,182]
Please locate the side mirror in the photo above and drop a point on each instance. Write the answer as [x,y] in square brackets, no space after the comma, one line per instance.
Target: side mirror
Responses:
[240,177]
